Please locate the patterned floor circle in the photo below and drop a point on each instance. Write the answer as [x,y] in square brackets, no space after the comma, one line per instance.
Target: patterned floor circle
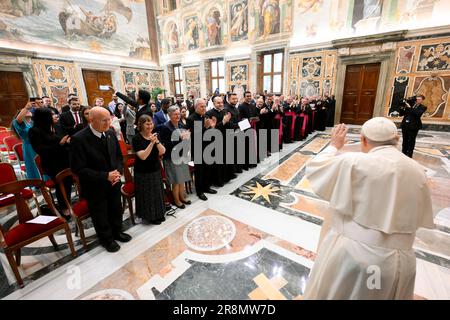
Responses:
[110,294]
[209,233]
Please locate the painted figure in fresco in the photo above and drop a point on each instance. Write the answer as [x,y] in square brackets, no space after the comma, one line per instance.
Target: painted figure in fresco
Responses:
[239,25]
[435,58]
[239,89]
[366,9]
[192,34]
[172,40]
[270,17]
[214,28]
[21,8]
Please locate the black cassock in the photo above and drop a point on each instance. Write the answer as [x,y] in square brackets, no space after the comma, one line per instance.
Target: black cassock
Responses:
[330,104]
[321,115]
[288,121]
[248,111]
[218,172]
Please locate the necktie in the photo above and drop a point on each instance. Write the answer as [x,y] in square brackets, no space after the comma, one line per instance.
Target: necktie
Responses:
[77,120]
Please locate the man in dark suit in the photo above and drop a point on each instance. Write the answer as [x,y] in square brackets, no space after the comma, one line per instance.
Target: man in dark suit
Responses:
[202,170]
[66,107]
[141,104]
[97,160]
[71,121]
[411,124]
[161,116]
[159,98]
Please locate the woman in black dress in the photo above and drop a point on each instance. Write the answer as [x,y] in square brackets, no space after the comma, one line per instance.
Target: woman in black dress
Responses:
[52,147]
[148,183]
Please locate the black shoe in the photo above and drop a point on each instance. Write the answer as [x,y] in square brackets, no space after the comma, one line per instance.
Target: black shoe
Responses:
[157,222]
[186,202]
[239,171]
[211,191]
[233,176]
[111,246]
[182,206]
[202,196]
[162,219]
[123,237]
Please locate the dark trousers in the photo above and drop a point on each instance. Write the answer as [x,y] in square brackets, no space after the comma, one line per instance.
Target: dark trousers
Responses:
[409,141]
[106,212]
[202,178]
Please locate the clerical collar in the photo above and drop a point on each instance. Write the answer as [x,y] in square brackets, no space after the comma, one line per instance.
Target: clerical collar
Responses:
[219,110]
[141,106]
[96,133]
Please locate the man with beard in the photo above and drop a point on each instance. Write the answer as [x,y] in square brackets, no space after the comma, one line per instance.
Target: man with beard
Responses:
[222,119]
[247,110]
[71,122]
[232,107]
[202,170]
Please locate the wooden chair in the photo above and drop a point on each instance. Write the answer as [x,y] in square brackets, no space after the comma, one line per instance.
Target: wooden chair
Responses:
[127,188]
[7,175]
[79,210]
[9,143]
[18,150]
[49,184]
[25,233]
[3,149]
[168,189]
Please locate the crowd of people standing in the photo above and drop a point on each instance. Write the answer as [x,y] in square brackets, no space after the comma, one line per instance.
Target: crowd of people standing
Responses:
[90,141]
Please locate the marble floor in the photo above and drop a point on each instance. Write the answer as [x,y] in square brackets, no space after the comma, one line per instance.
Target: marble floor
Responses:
[255,239]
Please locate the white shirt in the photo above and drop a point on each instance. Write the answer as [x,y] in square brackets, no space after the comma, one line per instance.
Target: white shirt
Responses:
[76,115]
[97,133]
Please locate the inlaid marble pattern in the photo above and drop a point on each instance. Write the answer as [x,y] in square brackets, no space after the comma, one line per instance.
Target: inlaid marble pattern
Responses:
[209,233]
[172,270]
[286,171]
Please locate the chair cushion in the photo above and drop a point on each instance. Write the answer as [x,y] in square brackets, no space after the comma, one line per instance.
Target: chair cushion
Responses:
[130,162]
[7,200]
[26,231]
[12,157]
[80,209]
[128,188]
[50,184]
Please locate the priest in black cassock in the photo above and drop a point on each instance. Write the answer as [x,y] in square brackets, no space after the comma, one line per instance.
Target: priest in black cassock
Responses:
[231,106]
[203,172]
[221,120]
[247,110]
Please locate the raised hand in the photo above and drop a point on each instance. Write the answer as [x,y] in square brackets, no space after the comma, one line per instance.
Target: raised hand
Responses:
[339,136]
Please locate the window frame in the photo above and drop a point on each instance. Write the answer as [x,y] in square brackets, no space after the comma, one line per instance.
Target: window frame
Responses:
[272,73]
[218,77]
[180,78]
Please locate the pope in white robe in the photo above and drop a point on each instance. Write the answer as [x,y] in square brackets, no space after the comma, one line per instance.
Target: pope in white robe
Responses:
[379,199]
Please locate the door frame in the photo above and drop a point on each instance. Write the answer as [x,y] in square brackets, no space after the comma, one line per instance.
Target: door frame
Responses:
[115,76]
[387,60]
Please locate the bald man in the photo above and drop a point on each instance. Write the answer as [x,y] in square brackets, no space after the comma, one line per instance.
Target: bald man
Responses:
[97,160]
[379,198]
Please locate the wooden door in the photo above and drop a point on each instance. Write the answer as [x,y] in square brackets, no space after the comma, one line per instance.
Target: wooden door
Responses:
[360,90]
[93,79]
[13,95]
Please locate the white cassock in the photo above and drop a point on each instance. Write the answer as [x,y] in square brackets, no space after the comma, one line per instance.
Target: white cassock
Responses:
[379,200]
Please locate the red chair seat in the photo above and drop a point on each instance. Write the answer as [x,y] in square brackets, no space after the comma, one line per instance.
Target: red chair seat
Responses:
[7,200]
[3,149]
[128,188]
[25,231]
[22,167]
[50,184]
[130,162]
[12,157]
[80,209]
